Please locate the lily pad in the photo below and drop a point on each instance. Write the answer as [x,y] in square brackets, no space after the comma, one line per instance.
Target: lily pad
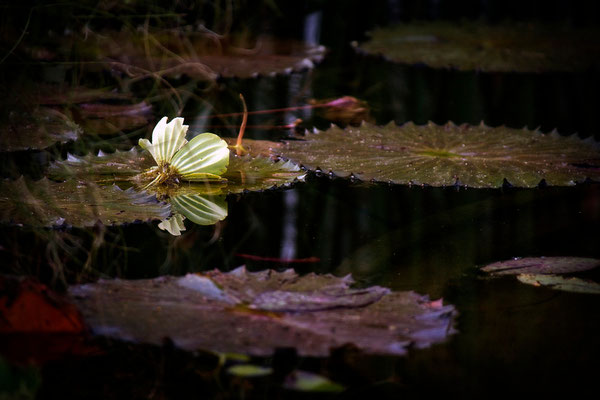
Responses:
[120,166]
[305,381]
[243,173]
[542,265]
[200,55]
[37,129]
[108,119]
[249,370]
[444,155]
[475,46]
[47,203]
[576,285]
[255,313]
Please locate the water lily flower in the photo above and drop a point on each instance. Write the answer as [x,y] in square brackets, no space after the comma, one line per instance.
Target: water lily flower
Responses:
[203,158]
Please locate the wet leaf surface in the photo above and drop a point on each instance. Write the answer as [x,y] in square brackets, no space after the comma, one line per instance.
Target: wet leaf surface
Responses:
[445,155]
[47,203]
[475,46]
[542,265]
[255,313]
[35,130]
[255,148]
[575,285]
[198,55]
[243,173]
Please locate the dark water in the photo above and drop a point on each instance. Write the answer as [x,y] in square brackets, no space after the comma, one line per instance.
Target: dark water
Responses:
[511,337]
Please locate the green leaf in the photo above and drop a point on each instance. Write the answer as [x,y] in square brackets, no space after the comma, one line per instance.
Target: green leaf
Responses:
[249,370]
[542,265]
[475,156]
[576,285]
[47,203]
[475,46]
[204,157]
[255,313]
[309,382]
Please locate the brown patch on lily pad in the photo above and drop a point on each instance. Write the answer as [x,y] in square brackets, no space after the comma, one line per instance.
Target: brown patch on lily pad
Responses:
[255,313]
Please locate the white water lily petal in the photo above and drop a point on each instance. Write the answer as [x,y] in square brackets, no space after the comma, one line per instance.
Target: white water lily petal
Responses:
[174,225]
[204,157]
[167,139]
[199,209]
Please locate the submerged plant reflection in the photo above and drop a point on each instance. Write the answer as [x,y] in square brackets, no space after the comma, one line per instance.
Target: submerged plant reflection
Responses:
[201,210]
[201,204]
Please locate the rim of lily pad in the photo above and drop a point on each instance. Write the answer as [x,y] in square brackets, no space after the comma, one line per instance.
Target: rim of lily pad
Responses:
[475,156]
[541,265]
[467,45]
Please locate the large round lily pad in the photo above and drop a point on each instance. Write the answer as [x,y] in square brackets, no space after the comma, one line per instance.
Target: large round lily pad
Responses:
[47,203]
[475,46]
[244,173]
[542,265]
[475,156]
[198,54]
[255,313]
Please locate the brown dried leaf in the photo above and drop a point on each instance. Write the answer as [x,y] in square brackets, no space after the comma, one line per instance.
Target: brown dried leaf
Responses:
[254,313]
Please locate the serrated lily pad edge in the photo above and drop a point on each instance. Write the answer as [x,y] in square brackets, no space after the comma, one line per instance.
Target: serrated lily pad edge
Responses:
[506,184]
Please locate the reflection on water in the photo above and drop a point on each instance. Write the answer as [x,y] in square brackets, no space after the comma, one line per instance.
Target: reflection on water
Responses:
[201,210]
